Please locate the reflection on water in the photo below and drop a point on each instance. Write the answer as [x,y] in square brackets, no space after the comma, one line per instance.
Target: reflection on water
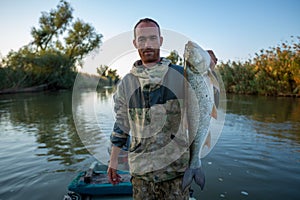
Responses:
[265,109]
[49,118]
[45,142]
[272,116]
[39,143]
[258,154]
[93,118]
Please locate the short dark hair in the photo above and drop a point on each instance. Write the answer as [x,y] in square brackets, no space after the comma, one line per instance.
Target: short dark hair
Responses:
[146,20]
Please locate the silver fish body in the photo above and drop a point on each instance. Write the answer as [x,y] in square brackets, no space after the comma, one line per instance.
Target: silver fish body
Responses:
[200,103]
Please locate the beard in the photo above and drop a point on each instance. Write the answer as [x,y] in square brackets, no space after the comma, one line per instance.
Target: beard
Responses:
[149,55]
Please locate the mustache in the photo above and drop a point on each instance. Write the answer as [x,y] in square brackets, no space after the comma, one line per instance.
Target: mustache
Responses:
[148,49]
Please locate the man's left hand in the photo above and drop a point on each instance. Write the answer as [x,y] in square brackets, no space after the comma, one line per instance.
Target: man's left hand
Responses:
[113,177]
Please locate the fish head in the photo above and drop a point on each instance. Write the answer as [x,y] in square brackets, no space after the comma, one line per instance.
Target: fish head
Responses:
[195,58]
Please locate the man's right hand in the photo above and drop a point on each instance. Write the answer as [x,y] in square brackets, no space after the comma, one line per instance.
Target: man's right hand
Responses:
[113,177]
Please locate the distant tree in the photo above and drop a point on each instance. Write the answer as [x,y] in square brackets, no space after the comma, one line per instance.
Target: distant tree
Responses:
[81,38]
[272,72]
[110,74]
[277,69]
[58,47]
[175,58]
[52,25]
[113,76]
[102,70]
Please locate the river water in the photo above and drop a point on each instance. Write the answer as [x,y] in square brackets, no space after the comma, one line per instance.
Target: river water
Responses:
[42,149]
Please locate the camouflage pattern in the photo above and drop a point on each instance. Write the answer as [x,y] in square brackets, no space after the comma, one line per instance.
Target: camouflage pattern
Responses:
[167,190]
[162,146]
[149,108]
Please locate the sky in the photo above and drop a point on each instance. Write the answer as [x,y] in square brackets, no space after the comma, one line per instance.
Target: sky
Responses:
[234,29]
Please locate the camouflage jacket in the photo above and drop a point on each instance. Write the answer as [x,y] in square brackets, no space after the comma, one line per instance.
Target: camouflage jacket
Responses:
[149,108]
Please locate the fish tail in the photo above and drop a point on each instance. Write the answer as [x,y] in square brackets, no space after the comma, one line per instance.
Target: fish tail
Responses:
[187,178]
[199,177]
[196,174]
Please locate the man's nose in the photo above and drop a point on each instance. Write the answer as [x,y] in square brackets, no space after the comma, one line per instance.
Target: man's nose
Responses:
[148,43]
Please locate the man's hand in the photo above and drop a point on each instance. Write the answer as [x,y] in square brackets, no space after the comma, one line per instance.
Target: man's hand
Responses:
[213,59]
[213,56]
[113,177]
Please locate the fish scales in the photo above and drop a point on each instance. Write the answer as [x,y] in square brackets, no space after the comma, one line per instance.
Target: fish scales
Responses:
[199,109]
[199,104]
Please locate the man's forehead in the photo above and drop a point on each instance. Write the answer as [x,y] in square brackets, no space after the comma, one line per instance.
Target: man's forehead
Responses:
[147,31]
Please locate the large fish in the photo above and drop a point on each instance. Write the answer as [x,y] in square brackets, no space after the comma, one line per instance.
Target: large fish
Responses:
[200,107]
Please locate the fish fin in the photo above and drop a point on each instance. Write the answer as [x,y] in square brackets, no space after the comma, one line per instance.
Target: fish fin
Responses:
[191,174]
[187,178]
[208,140]
[213,80]
[214,112]
[199,177]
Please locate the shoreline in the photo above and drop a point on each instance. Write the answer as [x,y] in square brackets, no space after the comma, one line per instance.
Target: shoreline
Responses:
[38,88]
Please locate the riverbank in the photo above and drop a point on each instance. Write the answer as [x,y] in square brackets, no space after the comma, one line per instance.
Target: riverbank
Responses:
[268,95]
[289,95]
[44,87]
[38,88]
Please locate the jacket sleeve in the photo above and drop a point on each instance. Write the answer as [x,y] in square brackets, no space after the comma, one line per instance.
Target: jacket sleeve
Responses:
[121,128]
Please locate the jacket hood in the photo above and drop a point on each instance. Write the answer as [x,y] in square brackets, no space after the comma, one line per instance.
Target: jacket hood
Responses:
[152,75]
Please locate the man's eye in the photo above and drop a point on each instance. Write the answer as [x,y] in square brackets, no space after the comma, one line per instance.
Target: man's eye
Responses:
[153,38]
[142,39]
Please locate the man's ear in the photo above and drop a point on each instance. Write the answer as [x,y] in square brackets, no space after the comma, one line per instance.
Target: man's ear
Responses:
[134,43]
[161,40]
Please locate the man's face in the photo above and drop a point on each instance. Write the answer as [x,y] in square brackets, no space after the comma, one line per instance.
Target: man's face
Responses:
[148,41]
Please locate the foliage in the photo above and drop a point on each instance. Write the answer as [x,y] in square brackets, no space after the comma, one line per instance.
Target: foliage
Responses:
[238,77]
[108,73]
[81,40]
[175,58]
[58,46]
[26,68]
[52,24]
[272,72]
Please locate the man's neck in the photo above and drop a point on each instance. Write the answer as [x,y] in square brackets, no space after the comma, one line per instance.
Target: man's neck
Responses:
[149,65]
